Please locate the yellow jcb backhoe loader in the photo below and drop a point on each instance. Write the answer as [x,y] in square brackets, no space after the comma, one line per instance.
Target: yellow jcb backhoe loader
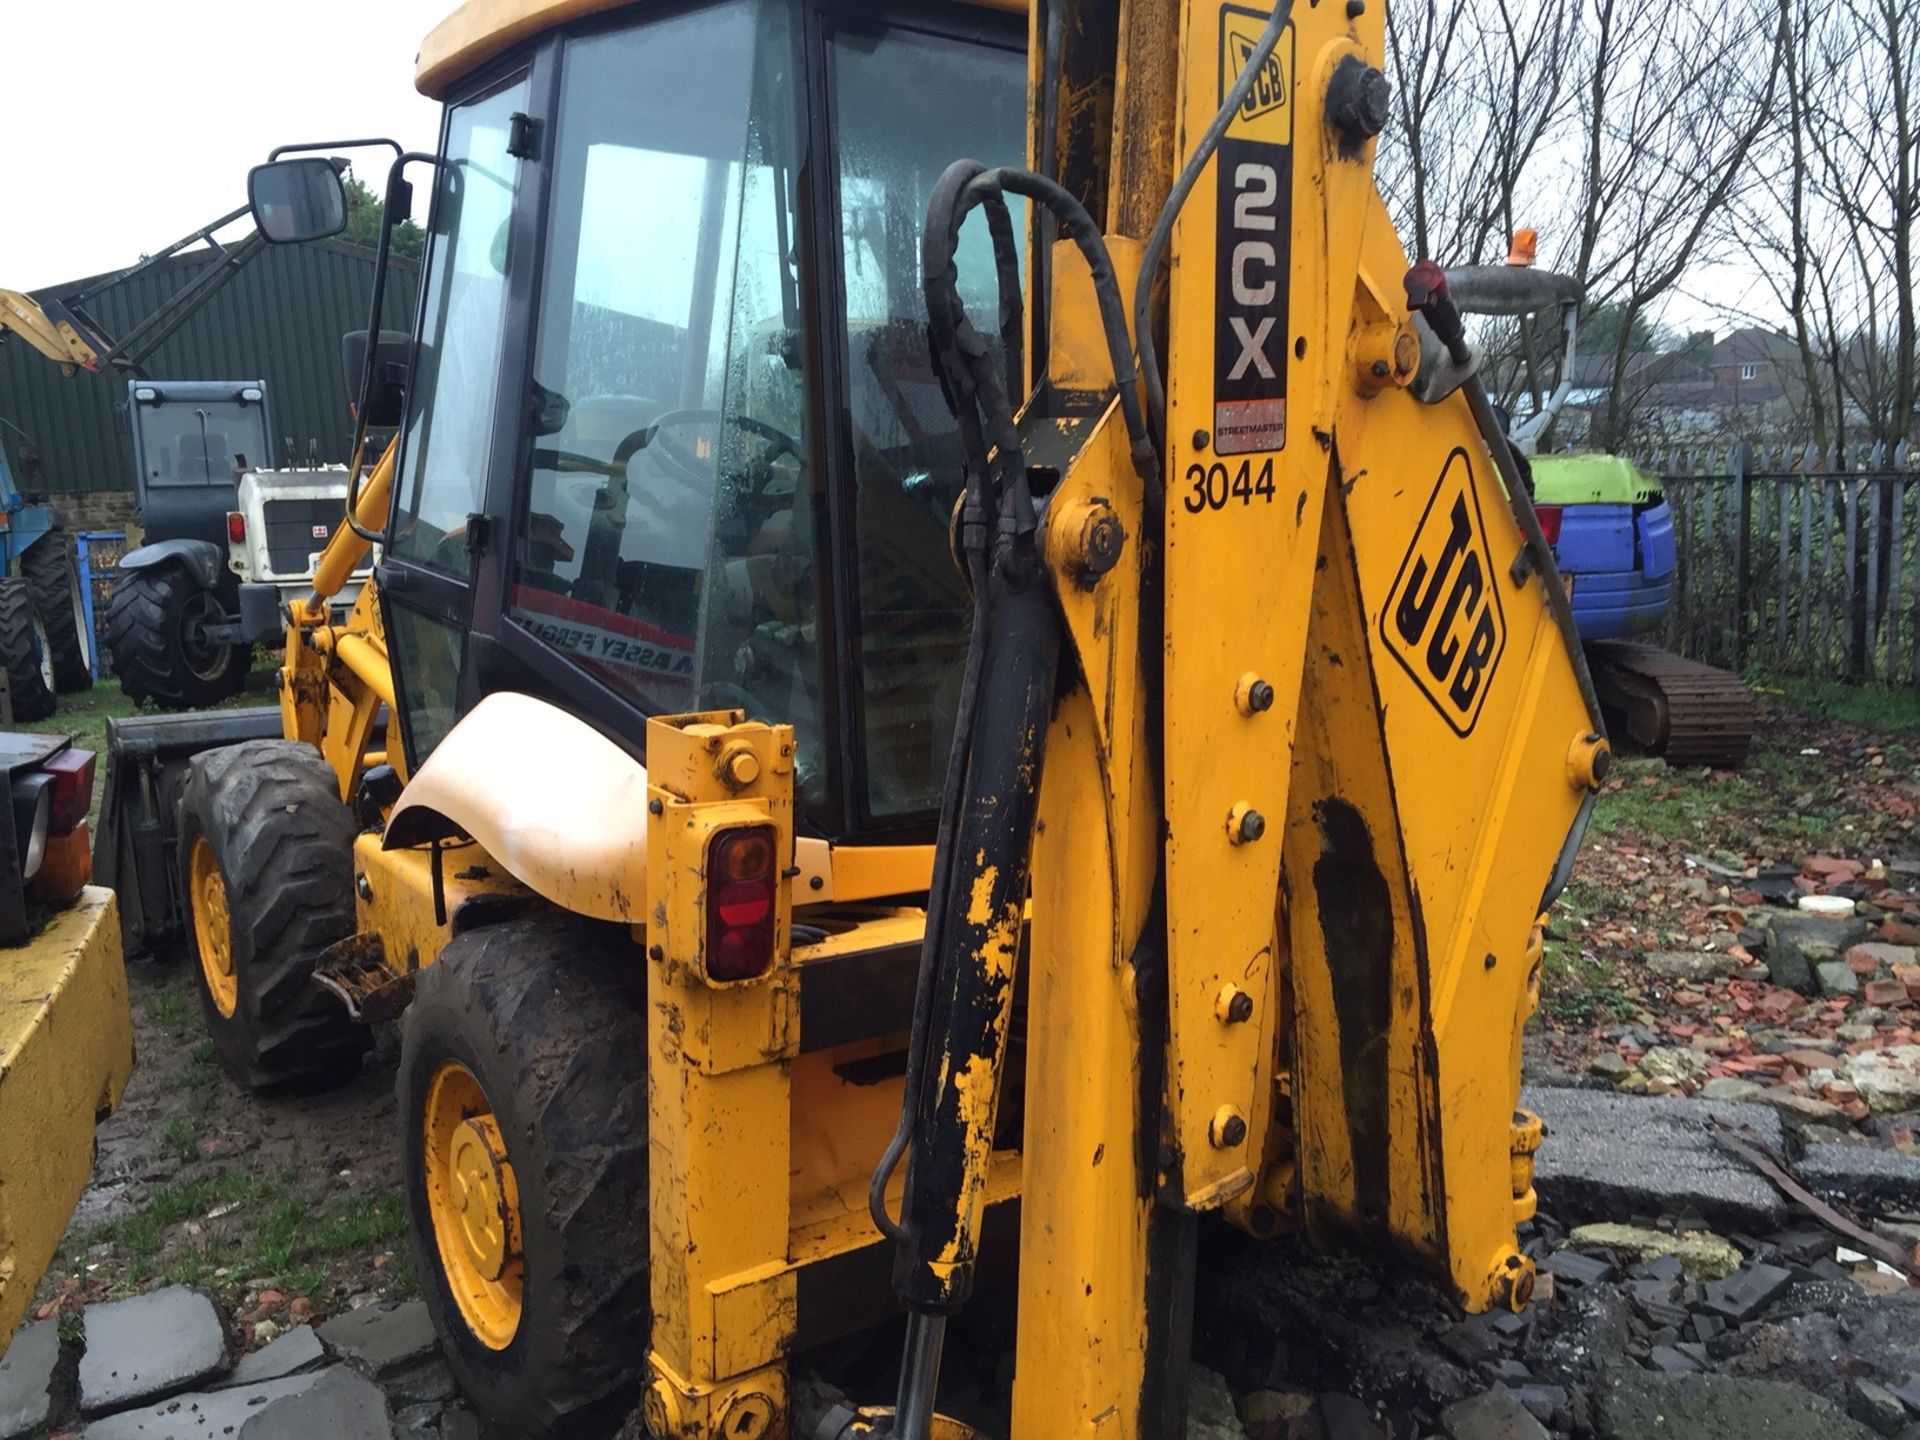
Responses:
[889,743]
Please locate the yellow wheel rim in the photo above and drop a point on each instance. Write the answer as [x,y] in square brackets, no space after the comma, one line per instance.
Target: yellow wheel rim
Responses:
[474,1200]
[212,927]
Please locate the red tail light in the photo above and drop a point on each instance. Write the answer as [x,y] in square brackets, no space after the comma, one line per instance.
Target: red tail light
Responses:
[1549,522]
[65,867]
[236,527]
[72,772]
[741,875]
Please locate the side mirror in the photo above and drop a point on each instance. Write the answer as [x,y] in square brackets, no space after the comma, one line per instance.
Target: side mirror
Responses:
[295,200]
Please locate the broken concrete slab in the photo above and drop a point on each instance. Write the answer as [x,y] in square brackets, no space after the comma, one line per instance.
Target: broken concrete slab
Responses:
[297,1350]
[385,1337]
[1796,943]
[1635,1404]
[1731,1088]
[148,1347]
[340,1405]
[1701,1255]
[1495,1415]
[1210,1412]
[25,1404]
[1691,965]
[1888,1080]
[1864,1175]
[1609,1156]
[1740,1297]
[1674,1065]
[202,1415]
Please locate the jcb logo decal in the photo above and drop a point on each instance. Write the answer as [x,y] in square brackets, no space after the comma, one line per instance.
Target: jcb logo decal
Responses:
[1271,95]
[1443,620]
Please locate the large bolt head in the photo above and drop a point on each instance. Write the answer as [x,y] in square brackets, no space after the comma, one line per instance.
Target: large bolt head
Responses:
[1359,101]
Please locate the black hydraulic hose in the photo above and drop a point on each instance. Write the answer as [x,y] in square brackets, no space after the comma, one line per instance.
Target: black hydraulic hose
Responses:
[1176,200]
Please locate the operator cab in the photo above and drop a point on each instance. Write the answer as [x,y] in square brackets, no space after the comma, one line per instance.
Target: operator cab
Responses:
[674,441]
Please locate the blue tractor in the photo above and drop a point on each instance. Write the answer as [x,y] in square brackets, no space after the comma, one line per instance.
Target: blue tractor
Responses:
[46,648]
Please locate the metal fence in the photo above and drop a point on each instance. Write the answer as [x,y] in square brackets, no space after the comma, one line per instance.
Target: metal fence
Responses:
[1796,559]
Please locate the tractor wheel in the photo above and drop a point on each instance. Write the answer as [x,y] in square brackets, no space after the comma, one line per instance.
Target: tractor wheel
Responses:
[48,568]
[153,635]
[266,854]
[523,1111]
[25,653]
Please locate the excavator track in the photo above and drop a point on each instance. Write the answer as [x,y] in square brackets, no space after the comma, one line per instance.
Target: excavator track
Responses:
[1692,714]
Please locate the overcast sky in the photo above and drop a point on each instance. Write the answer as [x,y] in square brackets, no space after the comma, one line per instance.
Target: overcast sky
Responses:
[130,122]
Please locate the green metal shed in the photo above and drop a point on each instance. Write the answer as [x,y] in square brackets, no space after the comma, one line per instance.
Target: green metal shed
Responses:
[279,320]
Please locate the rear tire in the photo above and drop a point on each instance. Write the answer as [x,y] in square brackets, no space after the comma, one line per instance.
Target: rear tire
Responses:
[535,1031]
[25,653]
[48,568]
[149,637]
[266,852]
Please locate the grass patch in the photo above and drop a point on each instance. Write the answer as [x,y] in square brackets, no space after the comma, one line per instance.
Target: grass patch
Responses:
[173,1010]
[182,1136]
[1727,811]
[270,1225]
[1872,706]
[1575,990]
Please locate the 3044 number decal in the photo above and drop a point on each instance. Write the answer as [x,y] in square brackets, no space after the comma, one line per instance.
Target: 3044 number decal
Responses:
[1215,486]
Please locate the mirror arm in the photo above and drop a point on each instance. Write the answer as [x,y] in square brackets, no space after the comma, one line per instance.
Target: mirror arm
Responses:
[279,150]
[397,186]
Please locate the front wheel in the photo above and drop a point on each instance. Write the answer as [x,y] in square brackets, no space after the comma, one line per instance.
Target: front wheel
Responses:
[156,636]
[25,653]
[266,849]
[523,1111]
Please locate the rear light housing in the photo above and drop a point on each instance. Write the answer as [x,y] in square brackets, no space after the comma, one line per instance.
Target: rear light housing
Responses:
[742,876]
[72,772]
[236,527]
[1549,517]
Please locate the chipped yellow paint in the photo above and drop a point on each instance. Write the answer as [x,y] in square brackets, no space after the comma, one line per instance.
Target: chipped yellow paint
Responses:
[66,1049]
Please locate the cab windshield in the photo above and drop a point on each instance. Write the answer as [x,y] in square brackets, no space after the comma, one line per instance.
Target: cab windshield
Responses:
[673,538]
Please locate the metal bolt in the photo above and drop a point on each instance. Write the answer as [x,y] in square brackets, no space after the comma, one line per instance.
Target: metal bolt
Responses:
[362,886]
[739,768]
[1102,538]
[1233,1005]
[1229,1128]
[1248,825]
[656,807]
[1356,8]
[1359,102]
[656,952]
[1260,696]
[1491,960]
[1602,763]
[1201,439]
[818,882]
[1381,369]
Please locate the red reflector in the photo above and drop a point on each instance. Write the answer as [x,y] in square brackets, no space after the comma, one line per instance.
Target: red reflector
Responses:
[72,772]
[1549,522]
[65,866]
[236,527]
[740,902]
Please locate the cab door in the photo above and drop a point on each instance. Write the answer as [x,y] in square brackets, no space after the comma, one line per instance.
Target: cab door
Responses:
[441,538]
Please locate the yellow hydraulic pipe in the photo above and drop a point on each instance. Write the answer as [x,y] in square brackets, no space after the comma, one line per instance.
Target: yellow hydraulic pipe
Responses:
[365,659]
[347,549]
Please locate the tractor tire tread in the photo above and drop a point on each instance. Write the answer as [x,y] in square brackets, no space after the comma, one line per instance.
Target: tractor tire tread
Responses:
[142,617]
[32,700]
[49,570]
[284,842]
[549,1013]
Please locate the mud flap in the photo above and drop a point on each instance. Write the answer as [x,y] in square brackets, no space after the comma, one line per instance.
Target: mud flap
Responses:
[134,851]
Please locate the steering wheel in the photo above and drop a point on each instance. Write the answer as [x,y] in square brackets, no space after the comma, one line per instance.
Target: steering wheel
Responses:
[685,464]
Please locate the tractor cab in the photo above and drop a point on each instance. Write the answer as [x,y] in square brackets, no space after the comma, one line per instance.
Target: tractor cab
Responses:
[190,440]
[674,440]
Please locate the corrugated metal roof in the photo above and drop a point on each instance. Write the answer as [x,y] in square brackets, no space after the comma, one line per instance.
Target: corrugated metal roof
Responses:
[279,320]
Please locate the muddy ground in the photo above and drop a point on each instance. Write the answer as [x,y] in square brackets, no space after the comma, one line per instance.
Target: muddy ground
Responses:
[287,1208]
